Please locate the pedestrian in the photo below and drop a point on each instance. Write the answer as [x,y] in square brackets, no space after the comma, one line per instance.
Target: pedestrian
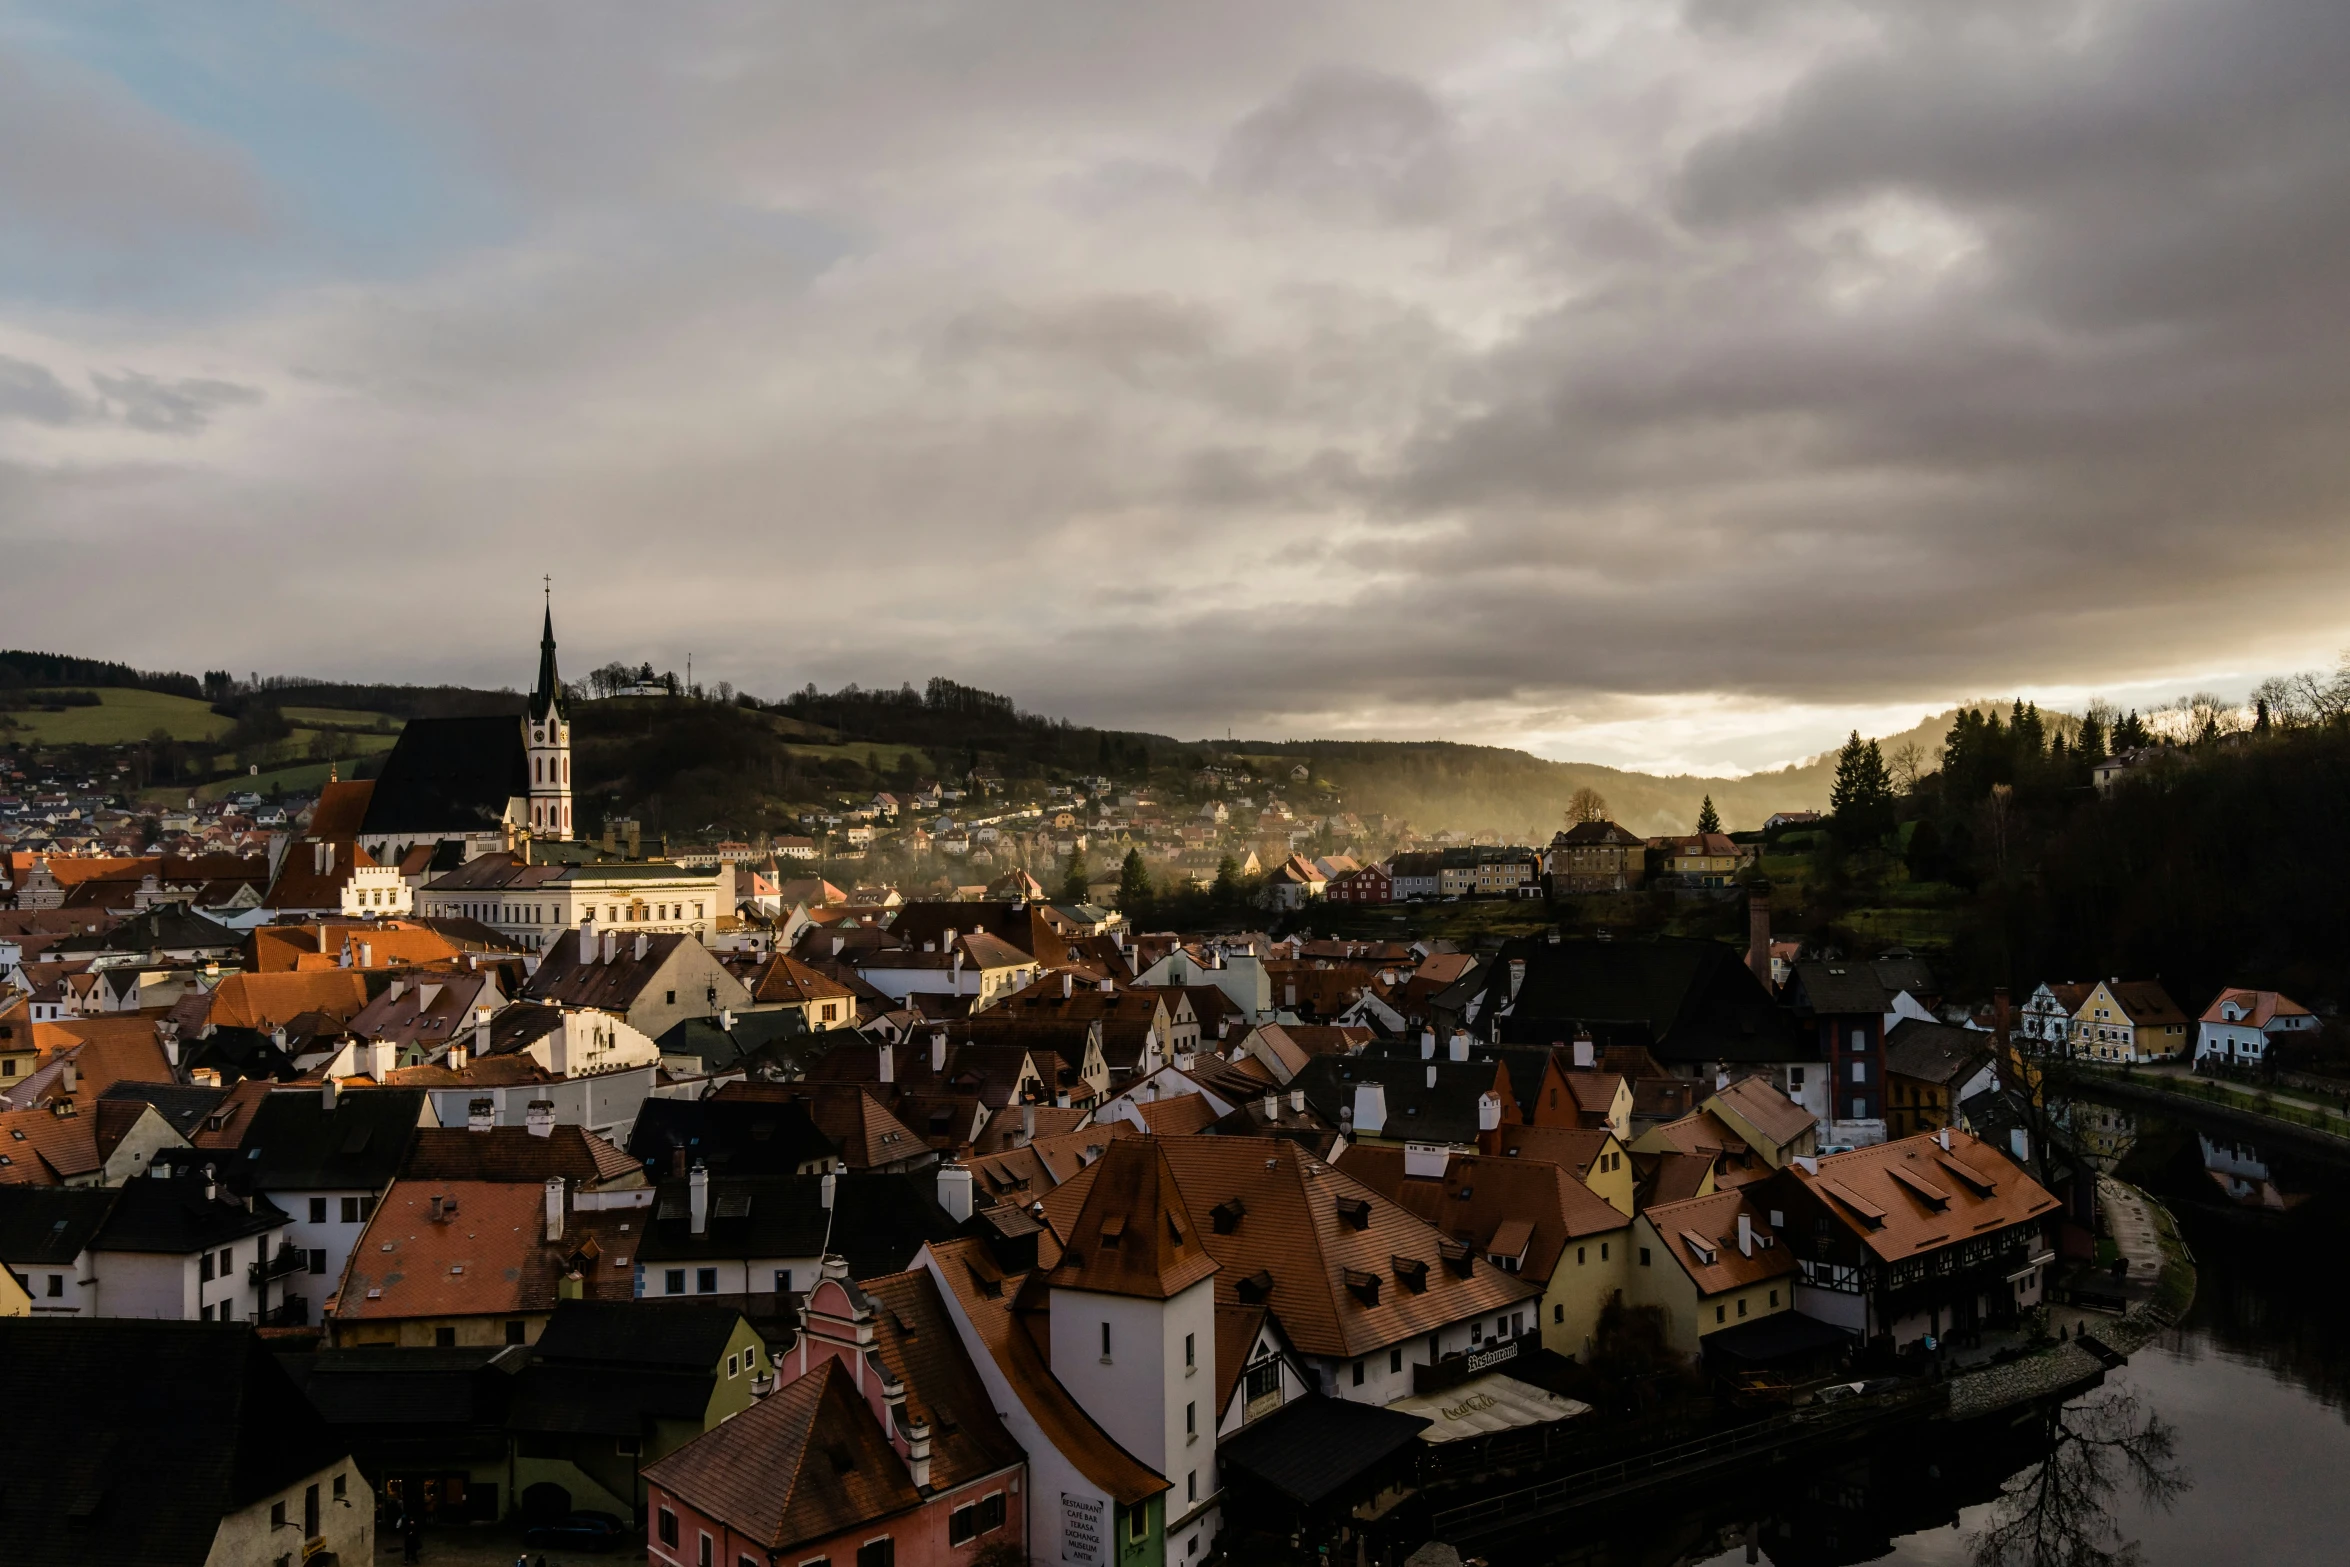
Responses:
[411,1539]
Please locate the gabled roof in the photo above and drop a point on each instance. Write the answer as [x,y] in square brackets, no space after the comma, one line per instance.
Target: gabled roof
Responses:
[784,978]
[1133,1235]
[2261,1007]
[1840,989]
[2144,1002]
[729,1136]
[1326,1246]
[916,1338]
[1935,1052]
[1572,1148]
[610,987]
[984,1296]
[264,1001]
[1712,1223]
[174,1217]
[877,1223]
[42,1148]
[671,1337]
[1770,1112]
[1507,1208]
[51,1224]
[490,1257]
[1905,1198]
[515,1153]
[104,1399]
[1686,1000]
[183,1106]
[1442,1112]
[807,1462]
[850,1114]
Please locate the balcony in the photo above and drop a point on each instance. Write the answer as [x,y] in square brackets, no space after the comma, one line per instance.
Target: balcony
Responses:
[290,1259]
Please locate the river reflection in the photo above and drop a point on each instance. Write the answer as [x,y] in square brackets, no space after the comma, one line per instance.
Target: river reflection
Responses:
[2222,1442]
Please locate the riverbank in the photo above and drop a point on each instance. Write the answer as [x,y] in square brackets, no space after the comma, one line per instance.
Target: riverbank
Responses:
[2283,1116]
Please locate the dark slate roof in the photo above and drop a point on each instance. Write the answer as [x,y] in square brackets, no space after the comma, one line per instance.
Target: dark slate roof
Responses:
[728,1136]
[449,775]
[1445,1113]
[295,1143]
[182,1106]
[1900,970]
[1838,989]
[50,1225]
[1686,1000]
[609,987]
[685,1336]
[409,1387]
[879,1221]
[1934,1052]
[175,1217]
[166,927]
[716,1048]
[1313,1446]
[134,1438]
[613,1401]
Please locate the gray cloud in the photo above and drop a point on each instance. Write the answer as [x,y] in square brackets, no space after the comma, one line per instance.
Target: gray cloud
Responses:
[1470,367]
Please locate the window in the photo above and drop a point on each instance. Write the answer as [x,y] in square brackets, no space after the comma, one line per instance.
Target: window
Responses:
[1394,1362]
[991,1511]
[514,1331]
[1558,1313]
[1774,1297]
[277,1515]
[1580,1259]
[1860,1040]
[318,1210]
[1721,1314]
[673,1281]
[1190,1349]
[317,1259]
[204,1269]
[1742,1305]
[1138,1523]
[444,1338]
[1860,1109]
[1603,1251]
[339,1481]
[350,1210]
[878,1553]
[962,1524]
[1105,1341]
[1860,1071]
[204,1315]
[310,1513]
[705,1281]
[783,1281]
[734,1365]
[1191,1419]
[667,1527]
[1644,1256]
[1358,1373]
[1795,1080]
[672,1002]
[56,1285]
[1191,1485]
[703,1559]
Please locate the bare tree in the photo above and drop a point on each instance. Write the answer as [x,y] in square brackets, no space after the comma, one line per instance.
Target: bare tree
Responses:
[2059,1511]
[1907,764]
[1586,805]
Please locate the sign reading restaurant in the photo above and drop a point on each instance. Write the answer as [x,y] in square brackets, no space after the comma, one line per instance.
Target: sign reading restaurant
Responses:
[1081,1530]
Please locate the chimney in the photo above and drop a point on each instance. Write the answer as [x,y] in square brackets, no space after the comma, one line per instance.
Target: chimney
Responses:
[1427,1044]
[456,1059]
[826,1188]
[697,1199]
[1758,931]
[439,1203]
[1721,1081]
[322,936]
[539,1116]
[889,1061]
[1273,1106]
[1745,1235]
[1488,1113]
[644,944]
[1460,1044]
[481,1114]
[954,1190]
[611,945]
[2019,1143]
[918,1454]
[1943,1138]
[1068,986]
[1297,1101]
[1108,987]
[726,1020]
[481,1035]
[1027,1122]
[367,954]
[381,1053]
[1586,1052]
[1431,1074]
[554,1209]
[1370,1108]
[328,1089]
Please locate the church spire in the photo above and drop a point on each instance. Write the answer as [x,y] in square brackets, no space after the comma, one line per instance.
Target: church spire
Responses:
[548,697]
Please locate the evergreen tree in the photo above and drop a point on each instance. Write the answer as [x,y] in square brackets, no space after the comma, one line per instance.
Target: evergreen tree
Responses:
[1073,877]
[2089,745]
[1861,800]
[2131,733]
[1225,894]
[1134,882]
[1923,857]
[1708,819]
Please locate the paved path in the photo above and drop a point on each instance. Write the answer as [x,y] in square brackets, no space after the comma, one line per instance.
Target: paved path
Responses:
[2130,1221]
[2178,1072]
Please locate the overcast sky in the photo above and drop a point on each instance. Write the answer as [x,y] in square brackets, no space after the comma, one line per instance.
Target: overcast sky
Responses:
[1667,386]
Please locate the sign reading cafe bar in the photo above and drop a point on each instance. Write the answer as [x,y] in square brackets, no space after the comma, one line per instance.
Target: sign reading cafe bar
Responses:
[1081,1530]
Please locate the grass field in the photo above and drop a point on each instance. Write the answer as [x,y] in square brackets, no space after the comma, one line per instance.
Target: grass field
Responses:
[121,718]
[890,756]
[338,717]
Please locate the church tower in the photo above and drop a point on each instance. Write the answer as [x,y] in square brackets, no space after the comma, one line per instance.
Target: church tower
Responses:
[547,737]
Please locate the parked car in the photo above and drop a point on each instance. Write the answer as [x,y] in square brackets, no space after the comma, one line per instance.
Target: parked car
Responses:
[597,1532]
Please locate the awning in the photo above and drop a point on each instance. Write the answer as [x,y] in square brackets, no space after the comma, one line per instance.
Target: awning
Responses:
[1312,1446]
[1484,1405]
[1781,1336]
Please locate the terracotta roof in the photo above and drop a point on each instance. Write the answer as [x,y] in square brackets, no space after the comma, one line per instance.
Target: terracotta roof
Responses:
[1178,1116]
[1506,1208]
[514,1153]
[42,1148]
[105,1051]
[1132,1235]
[2260,1006]
[1572,1147]
[301,885]
[1670,1176]
[804,1463]
[1701,1234]
[341,807]
[986,1294]
[490,1259]
[234,1114]
[1705,1134]
[1236,1334]
[1771,1112]
[478,1072]
[262,1001]
[850,1114]
[1005,1124]
[786,979]
[1902,1198]
[916,1338]
[2144,1002]
[280,949]
[1306,1229]
[1595,1092]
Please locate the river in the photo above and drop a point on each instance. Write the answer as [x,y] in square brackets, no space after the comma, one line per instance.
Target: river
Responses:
[2225,1441]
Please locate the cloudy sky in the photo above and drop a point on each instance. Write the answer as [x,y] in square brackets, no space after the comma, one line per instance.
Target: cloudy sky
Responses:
[1674,386]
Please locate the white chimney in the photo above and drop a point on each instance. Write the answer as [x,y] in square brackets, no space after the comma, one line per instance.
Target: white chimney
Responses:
[1806,1163]
[481,1035]
[889,1061]
[481,1114]
[1943,1137]
[1586,1053]
[1370,1107]
[1426,1161]
[1273,1106]
[381,1053]
[540,1117]
[1108,987]
[1488,1113]
[1460,1044]
[328,1088]
[554,1209]
[611,945]
[726,1020]
[1431,1074]
[1721,1081]
[1427,1044]
[954,1190]
[1027,1122]
[2019,1142]
[918,1454]
[456,1059]
[697,1199]
[825,1189]
[938,1051]
[1297,1101]
[1745,1235]
[644,944]
[367,954]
